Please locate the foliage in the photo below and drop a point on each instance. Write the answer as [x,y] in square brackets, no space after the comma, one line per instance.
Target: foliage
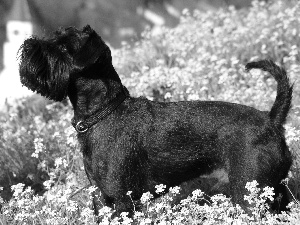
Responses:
[34,136]
[203,58]
[58,207]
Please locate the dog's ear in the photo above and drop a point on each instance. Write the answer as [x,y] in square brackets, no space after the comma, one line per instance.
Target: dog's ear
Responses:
[45,68]
[94,49]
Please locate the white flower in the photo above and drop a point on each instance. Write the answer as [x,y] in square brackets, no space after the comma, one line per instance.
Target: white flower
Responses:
[56,134]
[61,162]
[92,189]
[87,213]
[174,190]
[197,194]
[50,197]
[168,95]
[252,186]
[138,215]
[146,197]
[160,188]
[291,134]
[268,193]
[17,189]
[38,146]
[48,184]
[42,164]
[72,207]
[146,221]
[105,211]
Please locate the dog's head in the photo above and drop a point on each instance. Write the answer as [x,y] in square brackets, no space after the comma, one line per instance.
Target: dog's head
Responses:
[47,64]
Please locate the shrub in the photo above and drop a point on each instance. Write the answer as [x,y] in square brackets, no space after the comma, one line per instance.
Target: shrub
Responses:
[34,135]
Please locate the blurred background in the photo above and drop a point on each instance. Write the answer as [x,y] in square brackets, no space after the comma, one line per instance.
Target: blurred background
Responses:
[116,21]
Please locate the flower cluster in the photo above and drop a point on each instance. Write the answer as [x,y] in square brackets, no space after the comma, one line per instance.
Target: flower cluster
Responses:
[38,146]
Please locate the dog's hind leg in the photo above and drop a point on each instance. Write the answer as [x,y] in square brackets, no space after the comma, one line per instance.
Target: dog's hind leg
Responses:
[254,154]
[242,161]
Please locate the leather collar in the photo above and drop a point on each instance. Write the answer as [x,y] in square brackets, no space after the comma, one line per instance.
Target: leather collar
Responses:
[82,126]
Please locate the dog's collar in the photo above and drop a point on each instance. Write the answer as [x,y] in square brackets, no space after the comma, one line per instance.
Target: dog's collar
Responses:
[81,126]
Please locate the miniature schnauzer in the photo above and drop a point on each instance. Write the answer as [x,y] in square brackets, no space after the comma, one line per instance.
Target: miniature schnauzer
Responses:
[134,144]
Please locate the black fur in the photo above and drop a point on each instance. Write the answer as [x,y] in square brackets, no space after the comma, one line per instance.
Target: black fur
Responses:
[144,143]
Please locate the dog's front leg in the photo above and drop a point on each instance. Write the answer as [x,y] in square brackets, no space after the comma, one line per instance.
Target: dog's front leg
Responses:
[95,197]
[127,172]
[117,190]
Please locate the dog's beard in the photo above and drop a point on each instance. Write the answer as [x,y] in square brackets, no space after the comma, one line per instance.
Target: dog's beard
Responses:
[45,69]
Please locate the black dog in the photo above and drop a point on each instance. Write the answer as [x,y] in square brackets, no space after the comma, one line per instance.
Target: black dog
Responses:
[133,144]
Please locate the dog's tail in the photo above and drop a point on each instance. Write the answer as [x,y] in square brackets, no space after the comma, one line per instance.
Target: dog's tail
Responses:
[282,104]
